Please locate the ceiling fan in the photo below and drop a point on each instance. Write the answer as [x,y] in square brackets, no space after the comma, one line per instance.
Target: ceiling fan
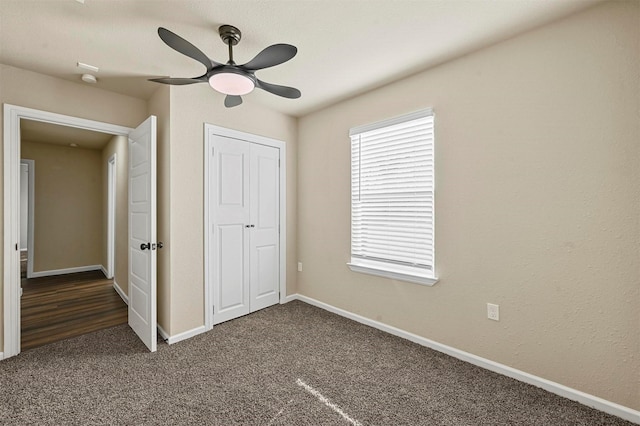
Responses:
[231,79]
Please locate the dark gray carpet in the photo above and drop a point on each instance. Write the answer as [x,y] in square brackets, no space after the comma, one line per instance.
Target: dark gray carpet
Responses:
[248,371]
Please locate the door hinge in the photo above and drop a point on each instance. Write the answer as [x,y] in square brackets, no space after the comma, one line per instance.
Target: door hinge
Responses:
[214,310]
[16,246]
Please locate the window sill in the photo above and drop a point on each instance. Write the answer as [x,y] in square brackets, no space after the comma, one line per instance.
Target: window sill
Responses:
[395,274]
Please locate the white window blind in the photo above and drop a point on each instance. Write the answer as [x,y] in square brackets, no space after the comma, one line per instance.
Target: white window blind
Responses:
[392,184]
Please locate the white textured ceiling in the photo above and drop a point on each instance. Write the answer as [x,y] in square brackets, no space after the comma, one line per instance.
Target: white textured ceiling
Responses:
[345,47]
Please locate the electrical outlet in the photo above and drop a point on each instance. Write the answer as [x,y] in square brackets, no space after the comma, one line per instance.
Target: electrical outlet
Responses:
[299,266]
[493,312]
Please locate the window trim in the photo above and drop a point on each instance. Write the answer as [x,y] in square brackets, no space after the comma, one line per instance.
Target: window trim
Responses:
[391,121]
[386,270]
[423,276]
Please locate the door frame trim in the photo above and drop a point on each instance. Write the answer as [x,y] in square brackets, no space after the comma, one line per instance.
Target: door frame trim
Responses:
[112,173]
[210,131]
[11,174]
[31,171]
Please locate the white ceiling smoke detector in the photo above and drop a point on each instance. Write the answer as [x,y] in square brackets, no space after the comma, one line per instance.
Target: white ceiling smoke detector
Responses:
[88,78]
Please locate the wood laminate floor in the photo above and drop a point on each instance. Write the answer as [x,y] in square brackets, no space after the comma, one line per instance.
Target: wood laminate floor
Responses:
[64,306]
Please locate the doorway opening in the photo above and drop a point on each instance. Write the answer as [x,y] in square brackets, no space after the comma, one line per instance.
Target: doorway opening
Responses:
[14,118]
[70,225]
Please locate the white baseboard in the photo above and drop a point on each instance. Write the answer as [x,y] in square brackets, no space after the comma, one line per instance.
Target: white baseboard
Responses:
[289,298]
[163,333]
[66,271]
[118,290]
[553,387]
[181,336]
[104,271]
[1,355]
[169,339]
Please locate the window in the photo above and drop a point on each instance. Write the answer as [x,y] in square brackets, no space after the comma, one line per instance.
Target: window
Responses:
[392,176]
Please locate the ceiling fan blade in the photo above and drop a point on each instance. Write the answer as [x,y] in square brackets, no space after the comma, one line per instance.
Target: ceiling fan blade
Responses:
[231,101]
[271,56]
[181,45]
[284,91]
[178,81]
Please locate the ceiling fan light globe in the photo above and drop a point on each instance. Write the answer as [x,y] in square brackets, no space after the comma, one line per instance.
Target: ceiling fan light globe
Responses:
[231,83]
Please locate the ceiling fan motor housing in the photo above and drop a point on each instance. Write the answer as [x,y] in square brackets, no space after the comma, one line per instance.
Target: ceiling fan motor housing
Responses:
[229,34]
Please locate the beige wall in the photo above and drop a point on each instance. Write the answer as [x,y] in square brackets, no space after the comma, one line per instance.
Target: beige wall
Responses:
[159,106]
[33,90]
[68,206]
[119,146]
[191,107]
[537,204]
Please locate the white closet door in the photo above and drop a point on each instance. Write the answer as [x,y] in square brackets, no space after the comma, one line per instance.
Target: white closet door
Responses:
[231,218]
[245,214]
[265,219]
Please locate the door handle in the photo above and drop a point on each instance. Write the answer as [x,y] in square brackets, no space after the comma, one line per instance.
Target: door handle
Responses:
[249,226]
[151,246]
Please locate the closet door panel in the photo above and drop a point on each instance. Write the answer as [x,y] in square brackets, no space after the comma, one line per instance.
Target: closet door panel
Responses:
[265,216]
[231,218]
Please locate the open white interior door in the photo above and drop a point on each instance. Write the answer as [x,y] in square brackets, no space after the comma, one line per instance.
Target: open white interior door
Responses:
[142,232]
